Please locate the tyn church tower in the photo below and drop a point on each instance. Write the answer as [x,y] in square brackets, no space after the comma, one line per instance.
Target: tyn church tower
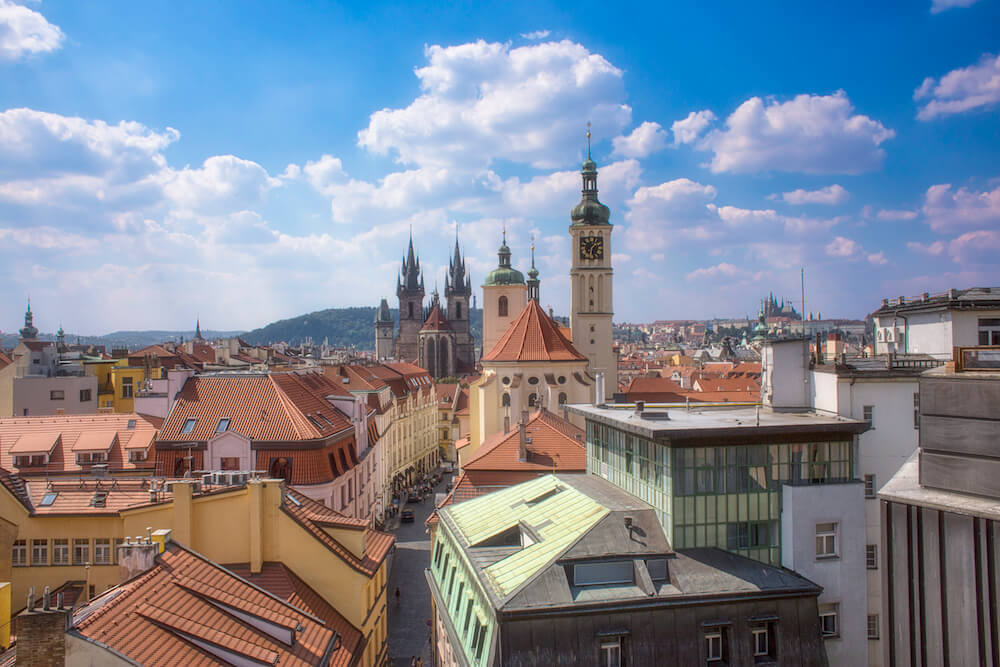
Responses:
[410,290]
[591,293]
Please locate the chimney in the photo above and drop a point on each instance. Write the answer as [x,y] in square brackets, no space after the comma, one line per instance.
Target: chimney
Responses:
[925,296]
[137,557]
[41,633]
[819,348]
[902,300]
[952,293]
[522,446]
[639,407]
[885,303]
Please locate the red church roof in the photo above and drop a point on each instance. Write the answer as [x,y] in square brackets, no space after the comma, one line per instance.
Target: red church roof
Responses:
[436,321]
[533,336]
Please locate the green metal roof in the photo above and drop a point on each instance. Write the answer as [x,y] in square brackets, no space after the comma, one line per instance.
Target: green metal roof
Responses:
[559,521]
[504,276]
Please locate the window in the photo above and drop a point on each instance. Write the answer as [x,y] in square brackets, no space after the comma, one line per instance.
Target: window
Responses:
[410,310]
[49,498]
[869,415]
[869,486]
[611,652]
[102,551]
[607,572]
[826,540]
[60,552]
[81,552]
[502,306]
[533,380]
[126,387]
[562,398]
[57,395]
[871,556]
[437,553]
[458,311]
[35,460]
[451,581]
[468,617]
[532,400]
[989,331]
[482,641]
[916,410]
[505,401]
[85,396]
[828,622]
[229,463]
[223,425]
[872,626]
[19,555]
[39,552]
[189,425]
[87,458]
[131,425]
[137,455]
[657,568]
[763,641]
[715,645]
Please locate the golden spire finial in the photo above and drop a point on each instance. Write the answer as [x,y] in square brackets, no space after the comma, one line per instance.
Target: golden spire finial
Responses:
[588,139]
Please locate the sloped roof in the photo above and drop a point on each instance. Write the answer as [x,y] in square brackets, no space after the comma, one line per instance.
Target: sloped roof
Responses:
[446,392]
[533,336]
[436,321]
[156,617]
[554,446]
[727,384]
[4,360]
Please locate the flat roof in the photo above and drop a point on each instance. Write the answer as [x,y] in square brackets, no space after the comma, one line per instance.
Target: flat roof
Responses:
[905,487]
[700,420]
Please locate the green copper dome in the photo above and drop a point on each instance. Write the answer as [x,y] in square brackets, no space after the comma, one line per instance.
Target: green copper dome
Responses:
[590,211]
[504,274]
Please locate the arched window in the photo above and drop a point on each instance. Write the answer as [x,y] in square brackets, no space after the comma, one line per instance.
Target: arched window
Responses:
[562,398]
[502,306]
[505,401]
[532,400]
[281,468]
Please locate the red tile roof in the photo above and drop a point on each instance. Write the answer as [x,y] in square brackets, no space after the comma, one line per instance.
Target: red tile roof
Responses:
[555,444]
[312,516]
[278,580]
[20,434]
[726,384]
[533,336]
[156,617]
[446,393]
[436,321]
[203,353]
[4,360]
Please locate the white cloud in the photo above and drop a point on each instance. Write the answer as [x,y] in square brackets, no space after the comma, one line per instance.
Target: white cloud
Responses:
[484,101]
[960,90]
[223,182]
[687,130]
[674,209]
[978,247]
[723,269]
[938,6]
[810,133]
[536,35]
[842,247]
[948,209]
[24,32]
[877,258]
[831,194]
[933,249]
[892,215]
[323,173]
[646,139]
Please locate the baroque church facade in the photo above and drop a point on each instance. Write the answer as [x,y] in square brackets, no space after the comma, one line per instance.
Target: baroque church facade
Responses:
[438,338]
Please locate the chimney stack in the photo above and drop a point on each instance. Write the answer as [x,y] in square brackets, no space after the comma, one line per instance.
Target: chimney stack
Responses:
[136,558]
[41,633]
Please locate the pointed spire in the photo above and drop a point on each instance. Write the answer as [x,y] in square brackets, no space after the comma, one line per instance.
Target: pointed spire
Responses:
[28,331]
[588,140]
[532,281]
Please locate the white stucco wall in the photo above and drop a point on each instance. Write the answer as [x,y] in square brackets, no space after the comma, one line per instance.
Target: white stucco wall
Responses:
[802,508]
[32,393]
[785,375]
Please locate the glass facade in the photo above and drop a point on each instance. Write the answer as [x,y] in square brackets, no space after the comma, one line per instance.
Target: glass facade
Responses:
[726,496]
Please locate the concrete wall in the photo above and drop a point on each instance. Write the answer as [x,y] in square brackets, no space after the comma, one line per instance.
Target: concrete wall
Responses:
[32,394]
[785,374]
[802,508]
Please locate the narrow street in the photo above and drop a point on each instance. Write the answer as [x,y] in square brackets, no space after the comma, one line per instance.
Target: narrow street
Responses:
[409,629]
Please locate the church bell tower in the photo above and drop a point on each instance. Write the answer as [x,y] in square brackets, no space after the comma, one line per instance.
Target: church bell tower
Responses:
[592,308]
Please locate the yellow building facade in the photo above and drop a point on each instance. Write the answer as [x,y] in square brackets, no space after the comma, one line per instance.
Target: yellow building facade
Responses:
[118,383]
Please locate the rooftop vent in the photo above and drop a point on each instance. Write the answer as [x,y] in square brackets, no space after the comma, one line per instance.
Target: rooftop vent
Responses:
[656,415]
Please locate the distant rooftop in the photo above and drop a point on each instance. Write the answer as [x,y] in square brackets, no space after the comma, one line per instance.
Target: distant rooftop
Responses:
[704,421]
[974,298]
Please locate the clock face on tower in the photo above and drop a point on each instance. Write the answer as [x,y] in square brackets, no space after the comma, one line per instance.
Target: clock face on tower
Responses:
[591,247]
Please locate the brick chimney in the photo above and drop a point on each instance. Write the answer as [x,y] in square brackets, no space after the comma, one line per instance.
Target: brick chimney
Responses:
[41,632]
[135,557]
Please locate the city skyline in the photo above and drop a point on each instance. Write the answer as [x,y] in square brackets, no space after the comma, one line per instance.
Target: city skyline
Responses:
[250,163]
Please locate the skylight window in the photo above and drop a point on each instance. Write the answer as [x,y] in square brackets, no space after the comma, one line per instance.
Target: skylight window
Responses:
[48,499]
[223,425]
[131,424]
[189,426]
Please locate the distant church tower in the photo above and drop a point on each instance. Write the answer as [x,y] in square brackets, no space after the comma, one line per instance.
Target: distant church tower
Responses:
[591,308]
[410,290]
[504,297]
[28,331]
[383,331]
[458,291]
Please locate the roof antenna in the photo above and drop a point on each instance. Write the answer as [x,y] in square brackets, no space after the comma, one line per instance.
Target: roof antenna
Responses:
[588,139]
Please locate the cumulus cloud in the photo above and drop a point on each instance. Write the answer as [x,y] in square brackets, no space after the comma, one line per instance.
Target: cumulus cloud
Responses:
[933,249]
[893,215]
[537,34]
[810,133]
[842,247]
[877,258]
[938,6]
[831,194]
[979,247]
[325,173]
[723,269]
[965,89]
[24,32]
[222,182]
[646,139]
[483,101]
[948,209]
[688,129]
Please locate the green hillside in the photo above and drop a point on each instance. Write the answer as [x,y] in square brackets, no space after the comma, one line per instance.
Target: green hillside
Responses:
[343,327]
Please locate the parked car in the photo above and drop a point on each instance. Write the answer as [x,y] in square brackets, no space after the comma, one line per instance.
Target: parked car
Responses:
[406,516]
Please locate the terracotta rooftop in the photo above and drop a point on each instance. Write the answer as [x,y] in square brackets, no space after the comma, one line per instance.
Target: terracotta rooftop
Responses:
[313,516]
[4,360]
[277,407]
[278,580]
[64,435]
[556,444]
[533,336]
[436,321]
[727,384]
[446,392]
[188,610]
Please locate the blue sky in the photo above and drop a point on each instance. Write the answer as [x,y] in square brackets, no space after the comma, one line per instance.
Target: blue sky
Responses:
[251,161]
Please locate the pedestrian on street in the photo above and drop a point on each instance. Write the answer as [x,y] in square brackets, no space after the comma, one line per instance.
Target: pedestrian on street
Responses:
[413,661]
[420,661]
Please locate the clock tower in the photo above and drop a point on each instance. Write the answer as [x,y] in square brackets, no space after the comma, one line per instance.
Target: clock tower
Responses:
[591,309]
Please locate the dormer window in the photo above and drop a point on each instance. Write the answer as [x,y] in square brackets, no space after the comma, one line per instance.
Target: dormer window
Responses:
[223,425]
[189,426]
[603,573]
